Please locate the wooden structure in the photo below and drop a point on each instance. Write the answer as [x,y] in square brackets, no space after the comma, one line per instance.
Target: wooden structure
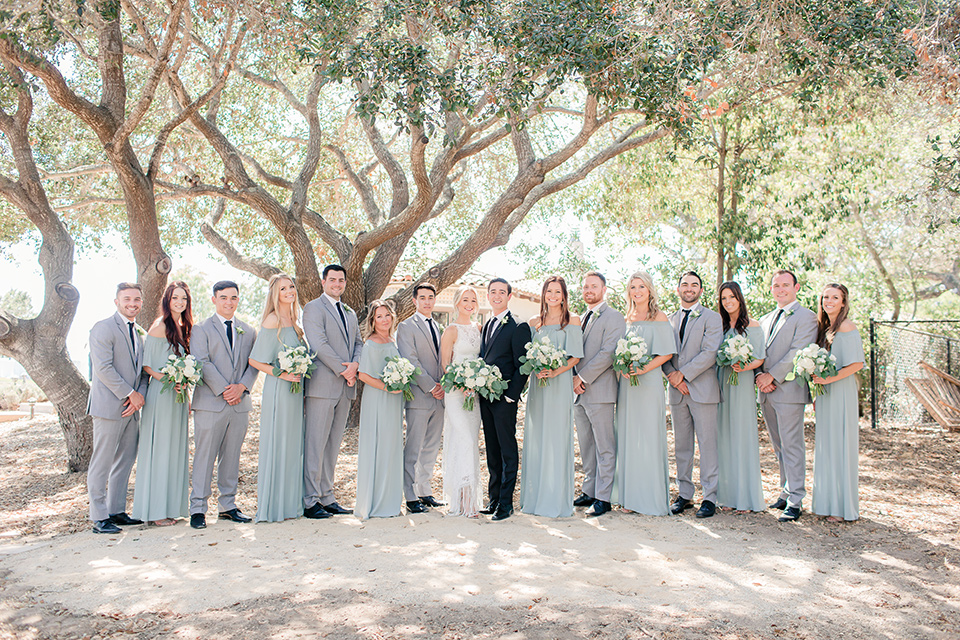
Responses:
[939,393]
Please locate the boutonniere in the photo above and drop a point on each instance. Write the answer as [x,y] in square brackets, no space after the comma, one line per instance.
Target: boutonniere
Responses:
[240,330]
[790,312]
[504,319]
[140,330]
[695,313]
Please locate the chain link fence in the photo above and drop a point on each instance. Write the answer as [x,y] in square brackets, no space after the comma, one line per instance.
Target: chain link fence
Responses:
[896,350]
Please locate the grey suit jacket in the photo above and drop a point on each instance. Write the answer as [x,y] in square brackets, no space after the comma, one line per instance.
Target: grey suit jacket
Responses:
[333,346]
[416,345]
[697,356]
[222,365]
[600,338]
[117,371]
[796,331]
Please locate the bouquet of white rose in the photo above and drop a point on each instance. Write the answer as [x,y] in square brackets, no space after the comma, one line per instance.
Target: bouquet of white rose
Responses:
[631,352]
[542,355]
[735,350]
[398,375]
[811,361]
[297,361]
[474,377]
[182,372]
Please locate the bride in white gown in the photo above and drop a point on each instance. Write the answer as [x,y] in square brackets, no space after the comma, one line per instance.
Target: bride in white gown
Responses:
[461,428]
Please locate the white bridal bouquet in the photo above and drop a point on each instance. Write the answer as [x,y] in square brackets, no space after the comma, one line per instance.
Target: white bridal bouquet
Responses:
[296,361]
[812,361]
[474,377]
[184,372]
[398,376]
[631,352]
[735,350]
[542,355]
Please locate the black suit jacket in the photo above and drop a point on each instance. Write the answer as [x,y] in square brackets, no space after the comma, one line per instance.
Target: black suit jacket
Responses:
[505,350]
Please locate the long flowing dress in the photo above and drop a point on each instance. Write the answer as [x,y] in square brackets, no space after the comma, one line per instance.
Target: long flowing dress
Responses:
[642,479]
[162,485]
[837,438]
[461,435]
[380,440]
[280,472]
[546,470]
[738,442]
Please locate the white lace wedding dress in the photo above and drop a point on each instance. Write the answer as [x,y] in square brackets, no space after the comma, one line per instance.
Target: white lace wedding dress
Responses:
[461,435]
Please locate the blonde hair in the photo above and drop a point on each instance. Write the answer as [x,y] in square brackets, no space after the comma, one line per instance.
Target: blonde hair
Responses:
[652,308]
[368,324]
[459,295]
[272,303]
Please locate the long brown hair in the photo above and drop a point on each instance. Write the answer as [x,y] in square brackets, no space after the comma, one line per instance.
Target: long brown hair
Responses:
[272,305]
[564,304]
[743,317]
[178,335]
[827,331]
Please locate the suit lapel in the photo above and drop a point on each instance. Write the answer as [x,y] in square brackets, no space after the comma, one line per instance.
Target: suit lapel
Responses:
[425,330]
[237,339]
[594,319]
[124,330]
[507,319]
[332,310]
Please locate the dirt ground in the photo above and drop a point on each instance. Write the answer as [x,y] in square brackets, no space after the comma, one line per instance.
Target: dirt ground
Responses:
[893,574]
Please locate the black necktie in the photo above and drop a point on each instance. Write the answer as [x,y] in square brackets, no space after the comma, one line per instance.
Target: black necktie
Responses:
[586,319]
[487,331]
[133,341]
[683,325]
[229,324]
[343,318]
[433,334]
[774,325]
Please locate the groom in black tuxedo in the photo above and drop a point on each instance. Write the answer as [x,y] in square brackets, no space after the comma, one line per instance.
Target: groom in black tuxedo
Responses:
[503,341]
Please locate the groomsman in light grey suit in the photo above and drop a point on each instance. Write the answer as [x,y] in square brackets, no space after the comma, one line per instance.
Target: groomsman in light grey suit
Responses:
[418,340]
[221,405]
[116,396]
[333,333]
[595,384]
[787,329]
[694,395]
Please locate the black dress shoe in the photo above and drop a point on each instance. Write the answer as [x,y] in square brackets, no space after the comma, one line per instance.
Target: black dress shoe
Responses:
[584,501]
[707,509]
[316,512]
[790,514]
[198,521]
[780,504]
[598,508]
[415,506]
[234,514]
[678,505]
[105,526]
[502,513]
[490,508]
[337,510]
[122,520]
[430,501]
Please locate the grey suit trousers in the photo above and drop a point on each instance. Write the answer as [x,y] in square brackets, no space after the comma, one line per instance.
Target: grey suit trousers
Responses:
[420,449]
[785,424]
[698,419]
[217,438]
[598,447]
[326,419]
[114,452]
